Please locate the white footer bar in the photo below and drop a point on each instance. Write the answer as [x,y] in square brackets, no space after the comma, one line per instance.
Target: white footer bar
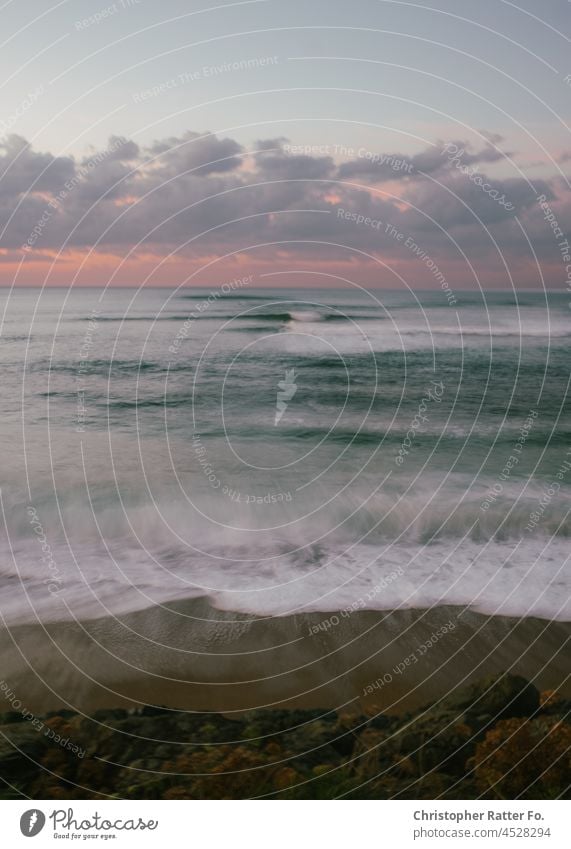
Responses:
[287,824]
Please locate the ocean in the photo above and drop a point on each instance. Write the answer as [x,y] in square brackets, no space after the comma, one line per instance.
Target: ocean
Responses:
[281,451]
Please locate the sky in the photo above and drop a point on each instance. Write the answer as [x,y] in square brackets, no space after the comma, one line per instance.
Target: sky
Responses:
[377,142]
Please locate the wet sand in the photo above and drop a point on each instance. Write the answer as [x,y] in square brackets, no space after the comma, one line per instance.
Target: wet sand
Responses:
[191,656]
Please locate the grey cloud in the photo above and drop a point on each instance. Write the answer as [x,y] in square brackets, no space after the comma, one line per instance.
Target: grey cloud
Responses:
[201,153]
[271,144]
[23,169]
[179,188]
[398,167]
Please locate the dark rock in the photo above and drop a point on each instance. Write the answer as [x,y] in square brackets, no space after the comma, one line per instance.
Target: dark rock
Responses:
[380,722]
[151,710]
[374,753]
[270,722]
[11,717]
[344,743]
[499,697]
[561,707]
[438,741]
[479,723]
[110,715]
[154,752]
[65,714]
[21,747]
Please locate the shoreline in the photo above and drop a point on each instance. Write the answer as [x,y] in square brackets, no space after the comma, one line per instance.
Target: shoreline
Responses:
[191,656]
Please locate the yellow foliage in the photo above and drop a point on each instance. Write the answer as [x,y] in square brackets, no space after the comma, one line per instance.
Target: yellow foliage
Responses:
[524,758]
[548,698]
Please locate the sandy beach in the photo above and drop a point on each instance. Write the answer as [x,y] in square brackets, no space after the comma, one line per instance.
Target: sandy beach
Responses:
[192,656]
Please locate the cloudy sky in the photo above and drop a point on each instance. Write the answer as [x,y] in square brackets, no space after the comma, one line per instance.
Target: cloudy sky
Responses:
[173,142]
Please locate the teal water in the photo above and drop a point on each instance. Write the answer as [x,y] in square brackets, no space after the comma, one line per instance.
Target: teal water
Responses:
[284,450]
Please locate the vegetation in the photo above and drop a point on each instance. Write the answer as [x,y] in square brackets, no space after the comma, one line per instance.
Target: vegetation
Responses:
[498,738]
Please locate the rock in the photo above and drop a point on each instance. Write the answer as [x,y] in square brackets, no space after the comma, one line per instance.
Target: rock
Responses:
[65,714]
[498,697]
[110,715]
[381,722]
[439,742]
[152,710]
[21,748]
[374,753]
[307,754]
[344,743]
[11,717]
[272,722]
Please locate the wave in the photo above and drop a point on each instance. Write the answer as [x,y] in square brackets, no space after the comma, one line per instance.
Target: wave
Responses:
[306,315]
[458,559]
[301,316]
[416,512]
[296,315]
[106,367]
[458,545]
[110,319]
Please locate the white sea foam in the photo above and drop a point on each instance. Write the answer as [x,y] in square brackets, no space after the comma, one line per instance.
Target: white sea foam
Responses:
[131,520]
[306,315]
[496,578]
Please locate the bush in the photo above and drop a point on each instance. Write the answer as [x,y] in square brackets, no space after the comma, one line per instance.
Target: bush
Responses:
[527,759]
